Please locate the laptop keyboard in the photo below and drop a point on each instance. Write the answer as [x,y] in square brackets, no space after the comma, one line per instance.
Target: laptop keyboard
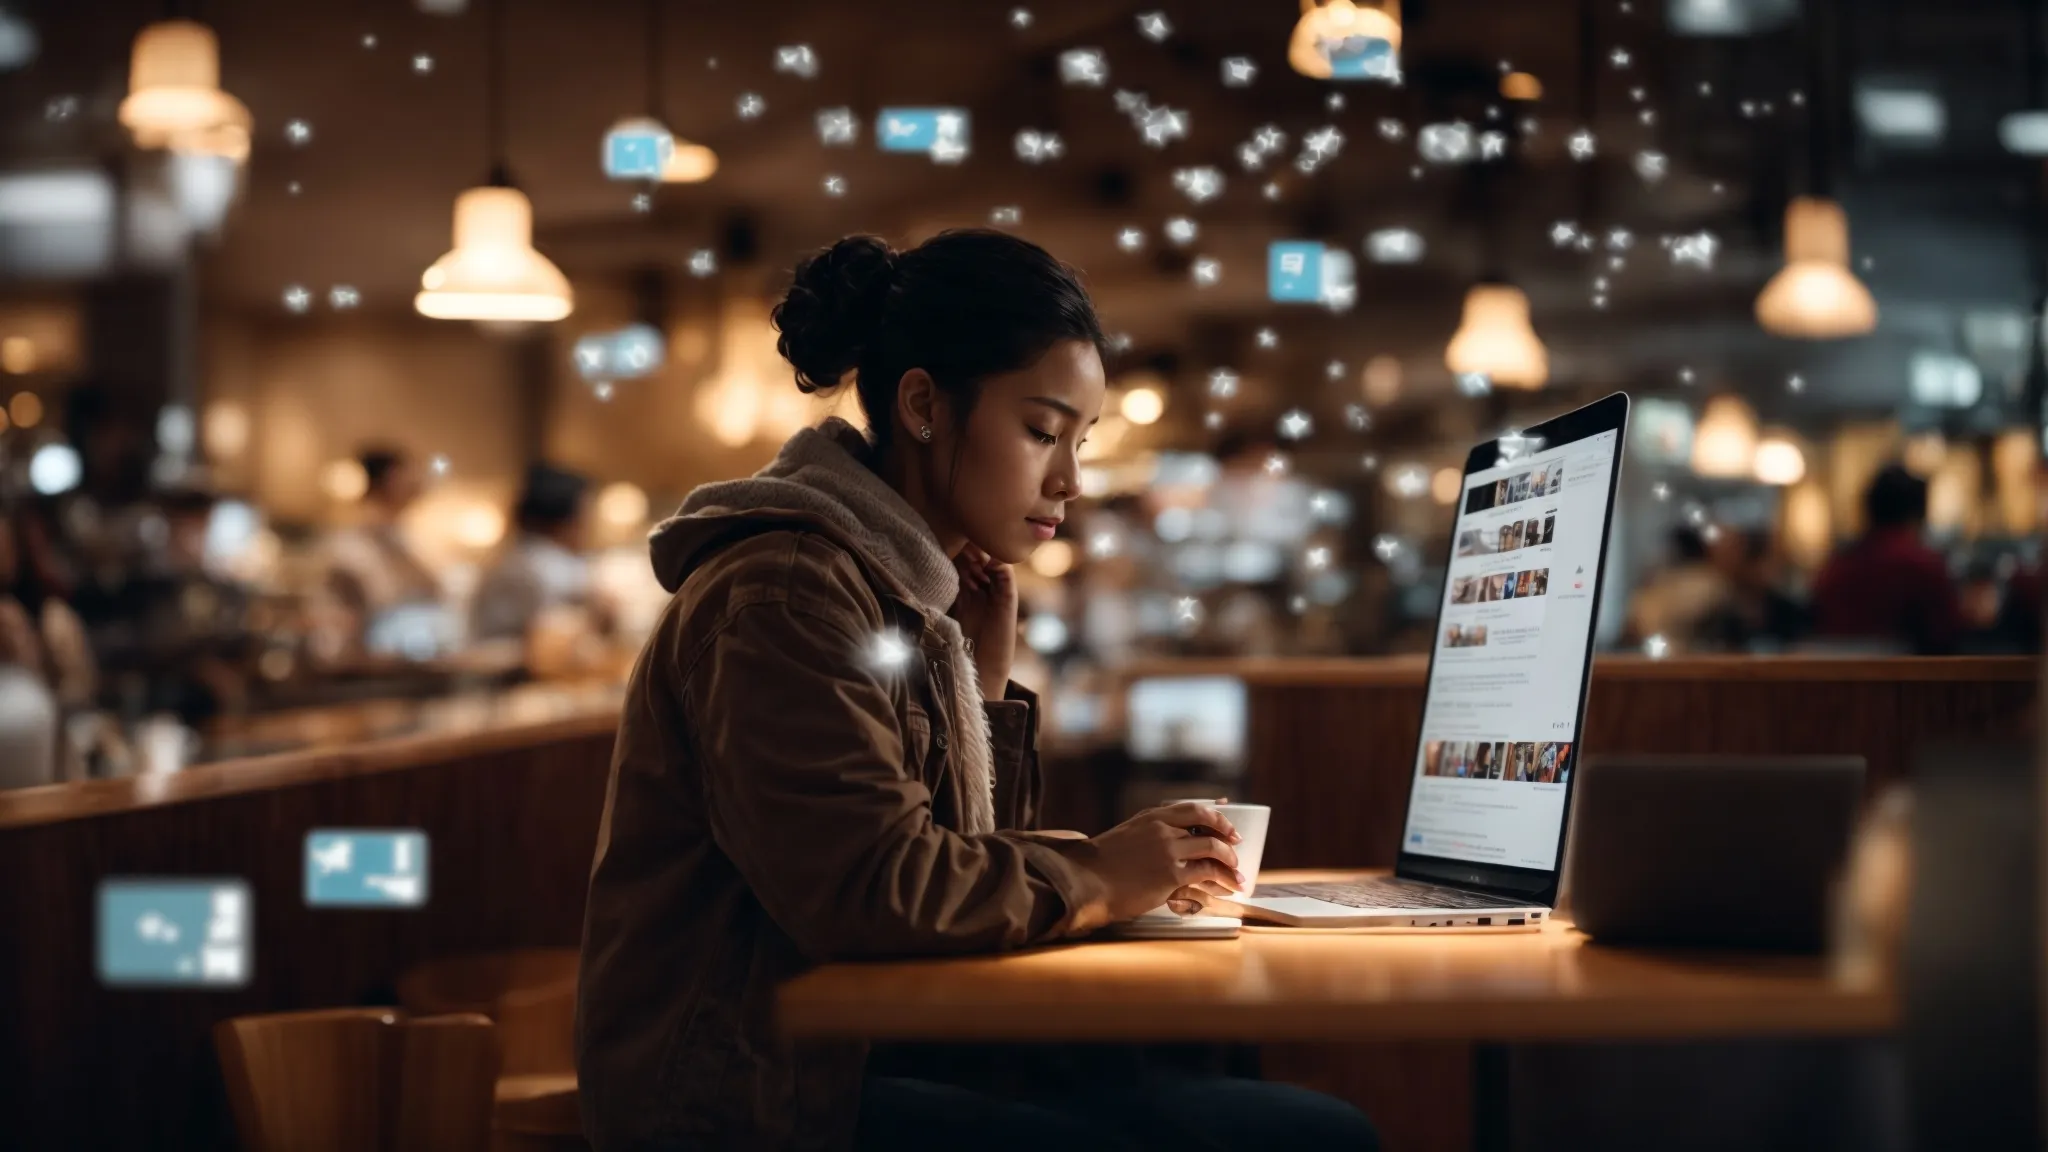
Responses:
[1393,893]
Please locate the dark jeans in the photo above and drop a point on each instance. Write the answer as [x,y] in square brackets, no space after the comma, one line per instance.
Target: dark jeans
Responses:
[1161,1108]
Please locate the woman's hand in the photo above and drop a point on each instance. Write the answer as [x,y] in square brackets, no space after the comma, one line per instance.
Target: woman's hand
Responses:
[1153,856]
[987,612]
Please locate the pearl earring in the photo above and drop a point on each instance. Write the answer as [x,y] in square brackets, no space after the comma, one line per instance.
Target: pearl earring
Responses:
[925,433]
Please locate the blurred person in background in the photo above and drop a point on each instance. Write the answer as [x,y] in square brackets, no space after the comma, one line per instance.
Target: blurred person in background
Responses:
[539,589]
[1682,601]
[29,716]
[370,571]
[1889,588]
[192,647]
[38,629]
[1760,615]
[84,544]
[823,756]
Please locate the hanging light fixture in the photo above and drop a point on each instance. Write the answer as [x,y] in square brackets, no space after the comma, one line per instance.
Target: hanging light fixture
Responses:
[174,96]
[1724,441]
[1815,296]
[493,273]
[1496,340]
[682,162]
[1341,30]
[1778,460]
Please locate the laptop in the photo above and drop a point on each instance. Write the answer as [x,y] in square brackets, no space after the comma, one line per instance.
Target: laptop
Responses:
[1711,851]
[1484,832]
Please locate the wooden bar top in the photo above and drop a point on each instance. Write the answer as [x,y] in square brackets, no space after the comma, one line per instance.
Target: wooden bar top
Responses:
[1291,985]
[345,740]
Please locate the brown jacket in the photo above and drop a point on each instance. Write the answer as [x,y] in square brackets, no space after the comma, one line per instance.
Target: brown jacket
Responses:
[780,798]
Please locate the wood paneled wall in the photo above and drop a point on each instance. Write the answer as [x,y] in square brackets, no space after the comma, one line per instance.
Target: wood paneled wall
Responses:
[1331,748]
[512,822]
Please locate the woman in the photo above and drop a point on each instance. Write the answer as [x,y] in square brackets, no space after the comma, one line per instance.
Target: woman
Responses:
[822,758]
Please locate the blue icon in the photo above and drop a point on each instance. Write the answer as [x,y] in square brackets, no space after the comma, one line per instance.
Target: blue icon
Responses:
[1415,838]
[940,133]
[1302,271]
[1361,58]
[1294,270]
[172,933]
[366,868]
[637,150]
[625,354]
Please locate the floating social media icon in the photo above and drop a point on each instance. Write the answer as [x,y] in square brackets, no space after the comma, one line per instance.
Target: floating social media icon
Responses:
[1304,271]
[1083,66]
[1394,246]
[636,149]
[940,133]
[1294,270]
[174,932]
[625,354]
[366,868]
[1449,143]
[1360,58]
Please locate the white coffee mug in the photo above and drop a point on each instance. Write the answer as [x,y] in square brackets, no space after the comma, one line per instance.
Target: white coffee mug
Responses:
[1250,820]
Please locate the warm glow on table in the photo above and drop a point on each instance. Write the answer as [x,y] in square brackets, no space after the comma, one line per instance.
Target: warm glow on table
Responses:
[1273,985]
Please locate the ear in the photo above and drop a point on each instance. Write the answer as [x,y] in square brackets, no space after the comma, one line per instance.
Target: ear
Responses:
[917,404]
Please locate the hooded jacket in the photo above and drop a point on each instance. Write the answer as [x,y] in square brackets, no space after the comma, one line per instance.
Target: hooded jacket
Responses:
[789,787]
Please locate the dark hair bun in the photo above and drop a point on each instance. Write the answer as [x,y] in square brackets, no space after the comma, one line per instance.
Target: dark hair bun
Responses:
[833,309]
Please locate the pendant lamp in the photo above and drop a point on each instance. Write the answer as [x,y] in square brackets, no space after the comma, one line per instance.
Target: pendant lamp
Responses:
[1495,339]
[1815,296]
[1778,459]
[1344,28]
[174,97]
[1724,442]
[493,273]
[682,161]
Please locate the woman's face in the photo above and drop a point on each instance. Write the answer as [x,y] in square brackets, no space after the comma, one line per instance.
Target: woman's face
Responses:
[1018,462]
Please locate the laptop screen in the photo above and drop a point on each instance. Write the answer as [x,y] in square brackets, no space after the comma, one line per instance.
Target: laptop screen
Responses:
[1500,719]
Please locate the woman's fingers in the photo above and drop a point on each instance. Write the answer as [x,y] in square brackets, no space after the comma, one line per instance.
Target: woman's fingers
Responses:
[1196,814]
[1205,848]
[1211,871]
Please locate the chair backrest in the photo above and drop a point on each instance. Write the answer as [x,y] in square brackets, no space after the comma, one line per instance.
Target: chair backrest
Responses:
[529,992]
[539,1113]
[359,1080]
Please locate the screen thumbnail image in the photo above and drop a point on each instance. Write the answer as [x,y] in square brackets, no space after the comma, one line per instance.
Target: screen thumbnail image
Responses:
[1526,486]
[366,868]
[1465,636]
[1477,542]
[174,931]
[1519,761]
[1467,589]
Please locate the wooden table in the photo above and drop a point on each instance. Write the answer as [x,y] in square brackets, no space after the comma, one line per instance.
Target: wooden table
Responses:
[1291,986]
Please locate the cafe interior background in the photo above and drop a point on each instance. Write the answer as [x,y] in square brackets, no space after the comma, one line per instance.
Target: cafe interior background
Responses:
[1807,238]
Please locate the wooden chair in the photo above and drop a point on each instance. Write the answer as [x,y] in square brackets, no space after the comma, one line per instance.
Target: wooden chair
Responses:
[530,993]
[538,1113]
[356,1079]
